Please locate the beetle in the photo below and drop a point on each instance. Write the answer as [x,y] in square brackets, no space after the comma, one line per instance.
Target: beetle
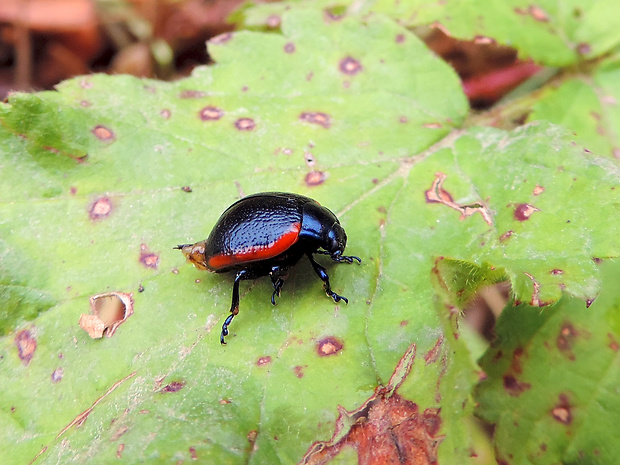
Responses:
[266,234]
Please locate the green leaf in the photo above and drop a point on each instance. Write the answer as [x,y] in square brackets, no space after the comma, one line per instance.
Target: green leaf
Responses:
[549,32]
[360,116]
[588,105]
[552,381]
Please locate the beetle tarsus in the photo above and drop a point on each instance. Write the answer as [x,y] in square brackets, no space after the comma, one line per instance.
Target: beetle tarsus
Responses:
[337,298]
[277,275]
[276,292]
[180,247]
[225,328]
[346,258]
[340,258]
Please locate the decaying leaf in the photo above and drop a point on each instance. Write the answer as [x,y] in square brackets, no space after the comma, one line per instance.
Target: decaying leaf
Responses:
[387,428]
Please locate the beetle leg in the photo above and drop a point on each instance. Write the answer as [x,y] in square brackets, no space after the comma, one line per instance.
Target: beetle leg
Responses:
[346,258]
[322,273]
[277,275]
[234,308]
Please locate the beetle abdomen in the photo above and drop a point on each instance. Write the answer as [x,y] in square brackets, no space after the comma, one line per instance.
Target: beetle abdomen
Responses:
[253,229]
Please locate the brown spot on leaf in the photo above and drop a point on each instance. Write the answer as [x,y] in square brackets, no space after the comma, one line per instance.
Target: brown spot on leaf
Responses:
[433,354]
[186,189]
[289,47]
[400,38]
[173,386]
[299,370]
[484,40]
[432,125]
[262,361]
[331,16]
[211,113]
[538,14]
[583,48]
[613,344]
[350,66]
[566,340]
[562,410]
[26,345]
[103,133]
[165,113]
[221,39]
[57,374]
[309,159]
[538,190]
[273,21]
[329,346]
[108,312]
[189,93]
[322,119]
[403,119]
[535,302]
[100,208]
[192,453]
[147,258]
[245,124]
[507,235]
[315,178]
[252,435]
[119,433]
[51,149]
[515,364]
[437,194]
[119,451]
[523,211]
[515,387]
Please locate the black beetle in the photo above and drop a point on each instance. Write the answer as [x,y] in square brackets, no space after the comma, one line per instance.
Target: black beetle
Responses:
[266,234]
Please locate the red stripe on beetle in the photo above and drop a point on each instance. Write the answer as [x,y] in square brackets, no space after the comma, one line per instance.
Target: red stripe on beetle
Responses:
[258,252]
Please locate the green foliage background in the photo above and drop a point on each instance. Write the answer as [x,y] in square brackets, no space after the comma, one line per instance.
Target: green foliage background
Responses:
[392,123]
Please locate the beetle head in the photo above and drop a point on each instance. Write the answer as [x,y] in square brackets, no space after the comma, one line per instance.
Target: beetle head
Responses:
[336,240]
[195,253]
